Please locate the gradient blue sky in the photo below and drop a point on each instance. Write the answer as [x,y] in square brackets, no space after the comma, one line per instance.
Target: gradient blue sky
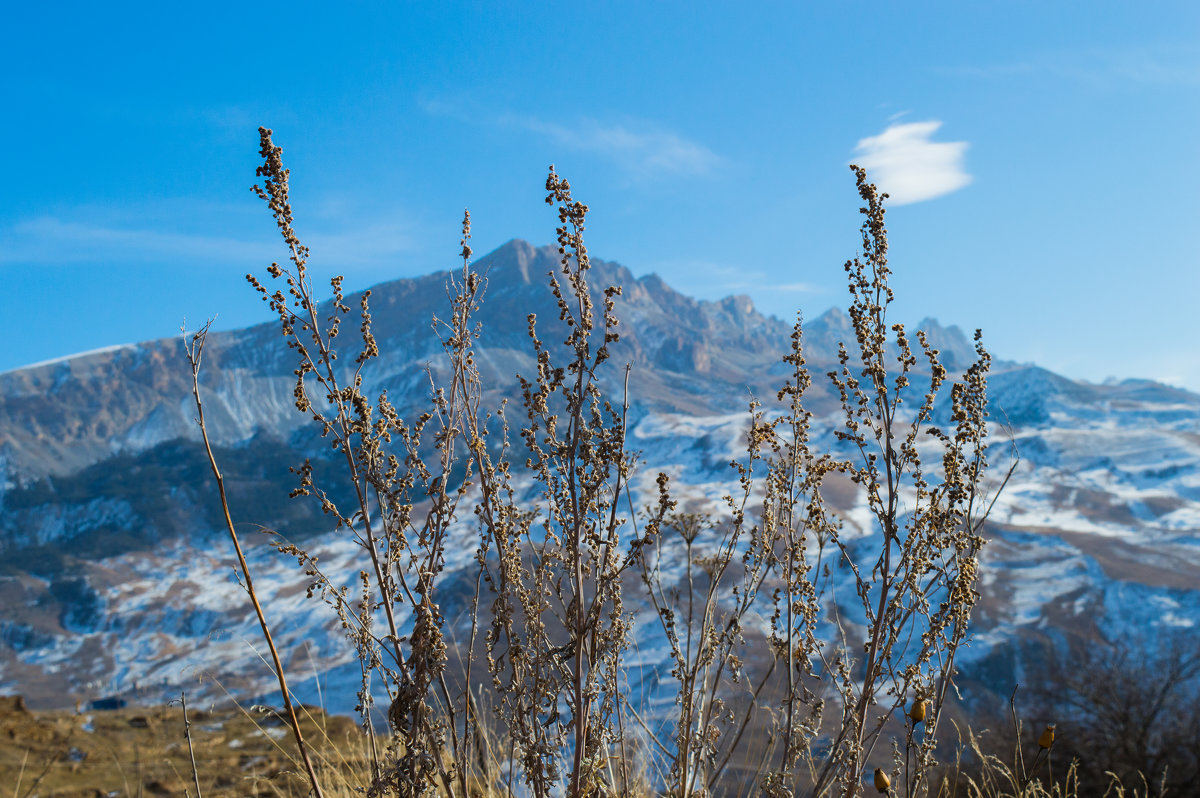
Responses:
[1046,154]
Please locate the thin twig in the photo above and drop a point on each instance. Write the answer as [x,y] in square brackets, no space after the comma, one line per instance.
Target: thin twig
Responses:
[187,733]
[195,351]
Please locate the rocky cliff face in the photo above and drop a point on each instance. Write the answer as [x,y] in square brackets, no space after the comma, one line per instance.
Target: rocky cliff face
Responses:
[113,569]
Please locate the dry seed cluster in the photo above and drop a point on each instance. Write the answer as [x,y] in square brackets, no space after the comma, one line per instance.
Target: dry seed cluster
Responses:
[551,623]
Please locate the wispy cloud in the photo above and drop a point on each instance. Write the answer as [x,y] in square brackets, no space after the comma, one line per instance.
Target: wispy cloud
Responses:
[1161,66]
[798,288]
[639,147]
[720,280]
[49,239]
[905,162]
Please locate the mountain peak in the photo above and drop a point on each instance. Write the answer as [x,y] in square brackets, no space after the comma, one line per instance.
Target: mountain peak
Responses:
[521,262]
[515,258]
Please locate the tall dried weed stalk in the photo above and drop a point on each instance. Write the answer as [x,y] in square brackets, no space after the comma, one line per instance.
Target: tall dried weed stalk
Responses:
[802,651]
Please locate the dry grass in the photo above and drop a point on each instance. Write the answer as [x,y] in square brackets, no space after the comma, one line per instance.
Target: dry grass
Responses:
[143,751]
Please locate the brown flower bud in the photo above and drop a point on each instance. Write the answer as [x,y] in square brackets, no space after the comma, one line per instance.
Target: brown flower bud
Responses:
[1047,738]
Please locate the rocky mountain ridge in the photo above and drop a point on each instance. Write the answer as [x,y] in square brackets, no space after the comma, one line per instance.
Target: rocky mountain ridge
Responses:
[113,574]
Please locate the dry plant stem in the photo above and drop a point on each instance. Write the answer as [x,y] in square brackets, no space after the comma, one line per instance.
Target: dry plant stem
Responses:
[406,555]
[195,351]
[187,733]
[21,773]
[45,770]
[559,629]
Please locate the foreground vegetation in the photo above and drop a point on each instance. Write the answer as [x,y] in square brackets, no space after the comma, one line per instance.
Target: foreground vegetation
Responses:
[808,703]
[801,661]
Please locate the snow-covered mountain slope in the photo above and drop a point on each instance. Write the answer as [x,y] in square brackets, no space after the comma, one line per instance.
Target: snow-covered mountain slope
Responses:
[115,575]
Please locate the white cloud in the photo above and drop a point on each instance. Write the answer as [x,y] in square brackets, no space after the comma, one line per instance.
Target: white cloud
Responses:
[904,162]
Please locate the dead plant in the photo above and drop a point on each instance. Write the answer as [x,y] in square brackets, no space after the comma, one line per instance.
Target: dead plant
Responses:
[853,631]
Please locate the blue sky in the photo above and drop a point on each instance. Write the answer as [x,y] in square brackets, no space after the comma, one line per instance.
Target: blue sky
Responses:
[1043,156]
